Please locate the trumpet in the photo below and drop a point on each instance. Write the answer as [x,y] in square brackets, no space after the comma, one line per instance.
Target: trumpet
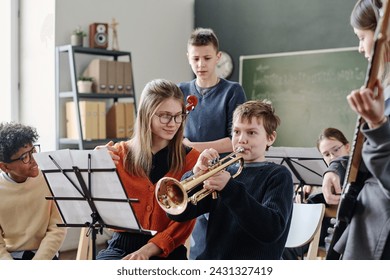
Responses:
[172,195]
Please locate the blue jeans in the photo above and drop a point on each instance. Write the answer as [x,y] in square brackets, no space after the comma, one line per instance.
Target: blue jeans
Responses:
[123,243]
[198,237]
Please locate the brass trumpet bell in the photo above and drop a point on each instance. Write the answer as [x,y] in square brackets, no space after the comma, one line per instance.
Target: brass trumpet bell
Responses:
[172,195]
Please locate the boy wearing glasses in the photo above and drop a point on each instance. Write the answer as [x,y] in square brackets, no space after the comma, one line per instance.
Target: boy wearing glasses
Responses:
[28,222]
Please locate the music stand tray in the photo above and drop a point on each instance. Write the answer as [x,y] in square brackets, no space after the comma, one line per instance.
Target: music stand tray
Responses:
[88,192]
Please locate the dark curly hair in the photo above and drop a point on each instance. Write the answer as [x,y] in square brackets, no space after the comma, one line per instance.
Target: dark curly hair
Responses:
[14,136]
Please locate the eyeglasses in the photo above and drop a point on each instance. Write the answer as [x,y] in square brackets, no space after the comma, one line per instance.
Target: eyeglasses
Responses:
[26,157]
[166,118]
[334,151]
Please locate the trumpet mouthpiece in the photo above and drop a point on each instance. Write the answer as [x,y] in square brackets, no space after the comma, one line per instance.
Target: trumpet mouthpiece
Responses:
[240,150]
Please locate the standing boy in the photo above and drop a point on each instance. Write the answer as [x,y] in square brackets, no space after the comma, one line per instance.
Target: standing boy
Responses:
[209,125]
[28,222]
[251,217]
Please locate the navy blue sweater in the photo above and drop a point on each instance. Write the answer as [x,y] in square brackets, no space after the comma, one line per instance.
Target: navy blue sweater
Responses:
[251,217]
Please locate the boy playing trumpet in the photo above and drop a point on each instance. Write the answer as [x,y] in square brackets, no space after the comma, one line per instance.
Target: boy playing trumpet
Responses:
[251,217]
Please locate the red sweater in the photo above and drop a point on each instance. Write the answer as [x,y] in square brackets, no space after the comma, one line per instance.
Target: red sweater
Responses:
[170,234]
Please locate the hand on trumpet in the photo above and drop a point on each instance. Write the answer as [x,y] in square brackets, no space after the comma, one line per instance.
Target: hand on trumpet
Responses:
[111,150]
[205,161]
[218,181]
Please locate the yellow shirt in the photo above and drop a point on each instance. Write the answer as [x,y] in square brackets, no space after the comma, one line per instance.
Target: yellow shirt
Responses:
[27,220]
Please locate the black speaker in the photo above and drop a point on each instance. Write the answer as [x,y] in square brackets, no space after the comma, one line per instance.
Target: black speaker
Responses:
[98,35]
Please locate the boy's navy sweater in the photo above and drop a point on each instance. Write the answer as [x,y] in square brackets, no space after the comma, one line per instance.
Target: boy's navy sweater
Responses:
[251,217]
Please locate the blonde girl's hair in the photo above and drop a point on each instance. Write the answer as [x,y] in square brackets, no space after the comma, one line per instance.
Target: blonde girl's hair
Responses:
[138,160]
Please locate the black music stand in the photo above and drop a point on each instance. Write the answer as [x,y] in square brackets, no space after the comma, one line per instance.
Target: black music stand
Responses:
[88,192]
[305,164]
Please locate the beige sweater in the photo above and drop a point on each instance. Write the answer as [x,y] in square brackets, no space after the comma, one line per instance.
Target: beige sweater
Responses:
[27,220]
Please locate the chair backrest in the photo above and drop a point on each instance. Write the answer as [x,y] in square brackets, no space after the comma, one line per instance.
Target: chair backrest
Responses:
[306,227]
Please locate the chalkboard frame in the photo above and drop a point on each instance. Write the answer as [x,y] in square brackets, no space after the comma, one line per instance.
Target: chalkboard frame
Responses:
[308,90]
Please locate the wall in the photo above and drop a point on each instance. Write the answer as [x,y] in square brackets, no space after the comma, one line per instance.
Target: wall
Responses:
[9,105]
[37,96]
[251,27]
[155,32]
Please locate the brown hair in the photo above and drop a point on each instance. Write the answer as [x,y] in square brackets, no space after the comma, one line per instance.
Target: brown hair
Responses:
[333,134]
[365,16]
[203,37]
[261,110]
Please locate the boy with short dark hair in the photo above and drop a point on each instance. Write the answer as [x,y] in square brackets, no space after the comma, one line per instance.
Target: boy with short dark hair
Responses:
[209,125]
[28,222]
[251,217]
[217,97]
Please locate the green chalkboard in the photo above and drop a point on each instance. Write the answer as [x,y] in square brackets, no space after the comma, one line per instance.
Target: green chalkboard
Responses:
[308,90]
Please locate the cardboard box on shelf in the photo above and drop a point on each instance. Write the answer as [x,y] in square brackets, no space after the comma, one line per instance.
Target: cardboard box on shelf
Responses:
[120,76]
[102,120]
[98,70]
[111,77]
[129,118]
[115,121]
[128,78]
[88,118]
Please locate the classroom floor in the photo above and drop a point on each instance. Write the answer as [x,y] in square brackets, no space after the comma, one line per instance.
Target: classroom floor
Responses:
[68,255]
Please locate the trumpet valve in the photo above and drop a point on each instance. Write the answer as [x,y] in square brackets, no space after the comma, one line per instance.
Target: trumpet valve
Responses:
[193,200]
[212,163]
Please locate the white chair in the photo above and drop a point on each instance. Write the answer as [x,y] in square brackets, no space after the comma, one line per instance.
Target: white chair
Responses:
[306,227]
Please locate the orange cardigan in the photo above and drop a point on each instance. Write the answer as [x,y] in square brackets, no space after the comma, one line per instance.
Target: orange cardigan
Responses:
[170,234]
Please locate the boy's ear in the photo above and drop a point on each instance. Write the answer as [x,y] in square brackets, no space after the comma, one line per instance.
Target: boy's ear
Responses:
[219,54]
[271,139]
[3,166]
